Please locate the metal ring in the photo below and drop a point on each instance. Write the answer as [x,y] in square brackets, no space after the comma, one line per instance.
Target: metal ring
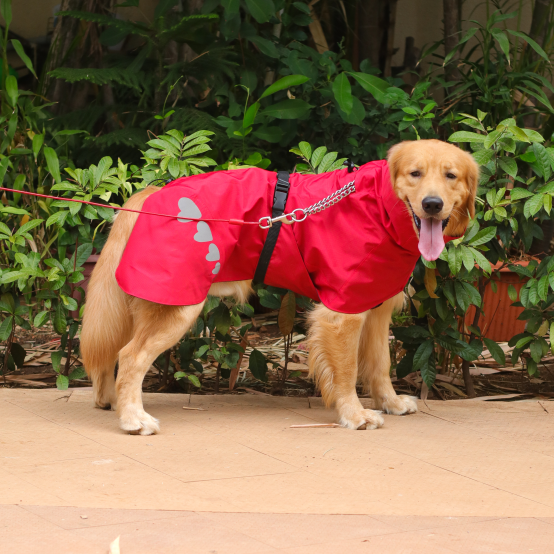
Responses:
[269,222]
[295,218]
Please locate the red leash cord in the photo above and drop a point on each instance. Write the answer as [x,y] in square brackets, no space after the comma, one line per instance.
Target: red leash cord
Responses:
[230,221]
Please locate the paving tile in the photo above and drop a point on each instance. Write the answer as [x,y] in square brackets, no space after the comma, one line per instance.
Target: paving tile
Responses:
[68,517]
[192,534]
[291,530]
[506,536]
[398,543]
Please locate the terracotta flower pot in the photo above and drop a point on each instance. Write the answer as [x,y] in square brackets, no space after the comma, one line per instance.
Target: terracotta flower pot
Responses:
[500,319]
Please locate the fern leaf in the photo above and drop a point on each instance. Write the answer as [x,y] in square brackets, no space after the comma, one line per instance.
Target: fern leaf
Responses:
[101,76]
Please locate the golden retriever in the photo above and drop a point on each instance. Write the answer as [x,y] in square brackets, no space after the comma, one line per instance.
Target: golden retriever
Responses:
[438,183]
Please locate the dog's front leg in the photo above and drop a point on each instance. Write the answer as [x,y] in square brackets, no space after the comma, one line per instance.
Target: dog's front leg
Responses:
[334,340]
[374,360]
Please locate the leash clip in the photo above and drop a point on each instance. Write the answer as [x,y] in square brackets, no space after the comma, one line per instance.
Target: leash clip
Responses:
[287,219]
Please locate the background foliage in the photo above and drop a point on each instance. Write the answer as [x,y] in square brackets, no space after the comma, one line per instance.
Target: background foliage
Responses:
[223,84]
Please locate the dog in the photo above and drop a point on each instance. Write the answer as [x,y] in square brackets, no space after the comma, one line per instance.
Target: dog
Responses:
[138,307]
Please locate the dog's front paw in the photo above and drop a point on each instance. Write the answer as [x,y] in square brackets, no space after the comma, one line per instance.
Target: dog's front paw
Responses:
[139,423]
[361,419]
[399,405]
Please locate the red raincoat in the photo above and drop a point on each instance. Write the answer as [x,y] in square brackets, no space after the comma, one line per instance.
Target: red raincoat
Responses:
[352,256]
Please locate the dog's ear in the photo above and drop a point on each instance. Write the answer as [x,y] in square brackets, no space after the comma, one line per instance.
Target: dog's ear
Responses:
[460,221]
[394,158]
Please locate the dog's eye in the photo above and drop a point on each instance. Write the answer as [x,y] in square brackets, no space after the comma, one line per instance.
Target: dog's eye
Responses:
[450,176]
[415,174]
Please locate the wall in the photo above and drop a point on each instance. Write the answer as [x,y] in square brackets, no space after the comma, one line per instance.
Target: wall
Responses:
[422,19]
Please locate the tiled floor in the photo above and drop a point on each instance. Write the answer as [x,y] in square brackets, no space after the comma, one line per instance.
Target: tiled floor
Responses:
[462,476]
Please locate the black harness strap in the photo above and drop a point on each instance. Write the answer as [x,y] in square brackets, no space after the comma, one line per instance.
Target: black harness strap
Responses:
[279,202]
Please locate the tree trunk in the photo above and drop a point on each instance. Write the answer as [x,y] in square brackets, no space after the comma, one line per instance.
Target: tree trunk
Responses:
[451,9]
[74,44]
[373,30]
[539,24]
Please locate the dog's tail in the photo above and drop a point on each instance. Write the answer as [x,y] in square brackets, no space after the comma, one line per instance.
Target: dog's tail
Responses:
[107,321]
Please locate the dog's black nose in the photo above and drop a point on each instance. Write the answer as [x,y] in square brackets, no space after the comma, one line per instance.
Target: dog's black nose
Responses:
[432,205]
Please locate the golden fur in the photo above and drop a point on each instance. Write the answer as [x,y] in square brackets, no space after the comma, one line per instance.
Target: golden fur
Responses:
[344,349]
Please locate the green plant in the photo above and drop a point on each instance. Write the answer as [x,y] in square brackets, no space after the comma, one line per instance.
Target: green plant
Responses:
[513,194]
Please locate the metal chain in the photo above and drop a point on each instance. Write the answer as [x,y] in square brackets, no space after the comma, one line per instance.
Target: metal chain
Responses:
[323,204]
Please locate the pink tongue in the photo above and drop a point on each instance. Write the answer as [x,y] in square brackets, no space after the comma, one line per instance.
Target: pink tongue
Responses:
[431,241]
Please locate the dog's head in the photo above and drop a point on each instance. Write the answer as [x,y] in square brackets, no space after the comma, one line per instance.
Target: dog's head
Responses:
[438,183]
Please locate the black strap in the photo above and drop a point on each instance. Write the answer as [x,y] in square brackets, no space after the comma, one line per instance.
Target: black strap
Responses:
[279,202]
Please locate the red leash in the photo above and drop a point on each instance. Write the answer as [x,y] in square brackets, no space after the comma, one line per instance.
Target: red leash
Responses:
[230,221]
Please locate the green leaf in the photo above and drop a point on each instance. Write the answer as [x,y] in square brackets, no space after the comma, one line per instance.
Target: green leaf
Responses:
[422,354]
[52,163]
[317,156]
[6,328]
[542,287]
[375,86]
[536,350]
[473,294]
[305,149]
[503,41]
[56,358]
[59,320]
[24,58]
[257,365]
[288,109]
[519,193]
[496,352]
[482,262]
[327,162]
[533,205]
[467,258]
[41,318]
[543,160]
[231,6]
[531,43]
[261,10]
[466,136]
[58,218]
[6,11]
[343,93]
[512,293]
[462,296]
[483,157]
[38,141]
[78,373]
[62,382]
[483,236]
[250,115]
[429,371]
[11,89]
[194,380]
[284,83]
[552,337]
[222,318]
[266,46]
[509,165]
[454,260]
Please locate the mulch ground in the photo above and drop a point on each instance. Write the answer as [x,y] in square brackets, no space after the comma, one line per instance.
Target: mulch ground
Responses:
[490,380]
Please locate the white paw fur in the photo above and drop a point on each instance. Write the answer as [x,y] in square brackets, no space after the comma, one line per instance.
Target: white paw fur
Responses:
[399,405]
[139,423]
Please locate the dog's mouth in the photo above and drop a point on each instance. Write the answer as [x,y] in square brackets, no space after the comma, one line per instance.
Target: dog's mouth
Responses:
[431,239]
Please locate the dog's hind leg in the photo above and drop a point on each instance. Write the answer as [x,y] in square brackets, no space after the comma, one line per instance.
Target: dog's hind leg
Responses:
[333,342]
[156,328]
[374,360]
